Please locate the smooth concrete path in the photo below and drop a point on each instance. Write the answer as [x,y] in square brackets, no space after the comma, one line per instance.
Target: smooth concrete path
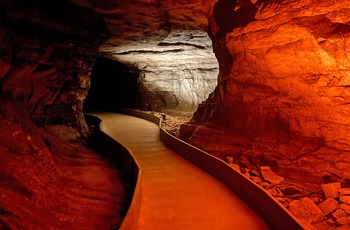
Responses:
[175,193]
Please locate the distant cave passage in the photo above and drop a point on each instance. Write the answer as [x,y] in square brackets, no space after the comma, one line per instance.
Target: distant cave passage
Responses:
[113,84]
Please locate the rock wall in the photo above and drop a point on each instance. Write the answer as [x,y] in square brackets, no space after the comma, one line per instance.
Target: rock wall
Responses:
[48,183]
[47,52]
[283,93]
[165,41]
[179,72]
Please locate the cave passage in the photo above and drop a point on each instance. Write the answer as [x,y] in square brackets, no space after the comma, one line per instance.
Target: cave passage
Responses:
[113,84]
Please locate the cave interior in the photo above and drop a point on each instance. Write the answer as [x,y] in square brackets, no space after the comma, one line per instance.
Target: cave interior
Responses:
[267,83]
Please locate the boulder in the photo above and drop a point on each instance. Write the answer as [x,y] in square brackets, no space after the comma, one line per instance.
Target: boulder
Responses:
[344,192]
[305,209]
[328,206]
[345,199]
[345,207]
[271,177]
[339,213]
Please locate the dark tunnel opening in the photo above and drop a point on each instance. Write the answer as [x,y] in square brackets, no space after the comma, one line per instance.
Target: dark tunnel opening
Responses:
[113,85]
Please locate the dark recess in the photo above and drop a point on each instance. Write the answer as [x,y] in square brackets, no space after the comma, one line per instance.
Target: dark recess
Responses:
[113,84]
[228,17]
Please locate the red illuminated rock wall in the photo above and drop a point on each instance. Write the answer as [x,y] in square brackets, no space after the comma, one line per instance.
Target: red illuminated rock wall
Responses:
[48,183]
[283,93]
[47,52]
[47,49]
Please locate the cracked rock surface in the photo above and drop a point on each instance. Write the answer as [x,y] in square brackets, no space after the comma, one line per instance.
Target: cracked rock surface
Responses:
[283,92]
[169,75]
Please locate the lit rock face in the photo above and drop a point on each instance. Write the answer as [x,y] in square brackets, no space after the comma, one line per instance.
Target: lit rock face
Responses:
[179,72]
[166,42]
[283,93]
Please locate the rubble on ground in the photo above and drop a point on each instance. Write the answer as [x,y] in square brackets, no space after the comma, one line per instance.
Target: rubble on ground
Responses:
[314,209]
[311,208]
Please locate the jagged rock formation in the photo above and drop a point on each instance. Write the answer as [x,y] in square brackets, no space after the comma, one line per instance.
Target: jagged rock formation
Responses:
[47,53]
[47,50]
[157,77]
[164,40]
[47,183]
[282,97]
[169,75]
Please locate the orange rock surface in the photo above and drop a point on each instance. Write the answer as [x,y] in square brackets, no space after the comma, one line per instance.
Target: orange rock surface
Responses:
[48,183]
[283,85]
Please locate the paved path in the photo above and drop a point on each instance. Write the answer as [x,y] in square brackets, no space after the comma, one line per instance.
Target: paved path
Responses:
[175,193]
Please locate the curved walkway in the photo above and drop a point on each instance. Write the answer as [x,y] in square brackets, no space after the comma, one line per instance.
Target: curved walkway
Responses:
[175,193]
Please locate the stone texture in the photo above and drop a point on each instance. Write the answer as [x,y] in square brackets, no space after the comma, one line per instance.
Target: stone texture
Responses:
[305,209]
[344,227]
[256,179]
[343,220]
[165,40]
[283,84]
[271,177]
[47,50]
[345,207]
[290,190]
[328,206]
[344,192]
[331,189]
[345,199]
[339,213]
[218,142]
[169,76]
[49,183]
[46,59]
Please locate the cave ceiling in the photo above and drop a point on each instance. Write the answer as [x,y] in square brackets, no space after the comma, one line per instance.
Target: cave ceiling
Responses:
[153,27]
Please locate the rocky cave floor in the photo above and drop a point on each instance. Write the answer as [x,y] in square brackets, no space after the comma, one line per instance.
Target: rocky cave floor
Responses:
[50,180]
[305,200]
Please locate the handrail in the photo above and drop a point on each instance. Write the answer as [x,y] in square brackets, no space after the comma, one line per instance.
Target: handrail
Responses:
[265,205]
